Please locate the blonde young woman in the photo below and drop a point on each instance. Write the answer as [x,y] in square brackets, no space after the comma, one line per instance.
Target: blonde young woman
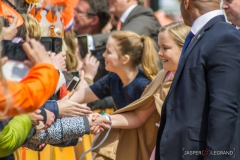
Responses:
[138,121]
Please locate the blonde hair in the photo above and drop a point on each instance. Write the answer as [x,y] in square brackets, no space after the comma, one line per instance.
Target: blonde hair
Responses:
[140,49]
[178,31]
[71,57]
[33,27]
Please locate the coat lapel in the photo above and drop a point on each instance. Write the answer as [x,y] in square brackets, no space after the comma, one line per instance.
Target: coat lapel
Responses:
[190,47]
[132,14]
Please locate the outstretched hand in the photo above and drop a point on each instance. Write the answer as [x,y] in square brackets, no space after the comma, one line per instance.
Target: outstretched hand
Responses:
[68,108]
[98,123]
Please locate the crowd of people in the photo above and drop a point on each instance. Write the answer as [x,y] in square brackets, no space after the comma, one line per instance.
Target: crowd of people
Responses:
[174,88]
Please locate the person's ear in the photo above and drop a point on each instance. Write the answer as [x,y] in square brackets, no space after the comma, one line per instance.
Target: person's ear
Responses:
[125,59]
[186,4]
[95,21]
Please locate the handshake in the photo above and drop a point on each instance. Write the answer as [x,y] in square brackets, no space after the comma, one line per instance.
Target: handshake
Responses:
[98,123]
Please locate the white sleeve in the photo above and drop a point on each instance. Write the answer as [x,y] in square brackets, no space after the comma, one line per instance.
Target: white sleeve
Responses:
[61,81]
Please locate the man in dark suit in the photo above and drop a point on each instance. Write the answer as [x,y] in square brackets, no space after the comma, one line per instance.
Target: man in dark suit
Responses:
[200,116]
[132,17]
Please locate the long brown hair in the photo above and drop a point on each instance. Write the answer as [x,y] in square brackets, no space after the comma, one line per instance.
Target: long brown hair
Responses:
[141,50]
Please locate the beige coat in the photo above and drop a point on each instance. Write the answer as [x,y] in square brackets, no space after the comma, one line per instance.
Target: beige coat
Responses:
[138,143]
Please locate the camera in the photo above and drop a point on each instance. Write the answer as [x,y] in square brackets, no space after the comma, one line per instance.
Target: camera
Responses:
[83,45]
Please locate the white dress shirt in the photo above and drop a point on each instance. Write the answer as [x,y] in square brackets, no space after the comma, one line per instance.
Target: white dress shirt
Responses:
[202,20]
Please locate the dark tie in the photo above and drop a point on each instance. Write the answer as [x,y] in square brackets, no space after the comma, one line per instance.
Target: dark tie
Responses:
[186,44]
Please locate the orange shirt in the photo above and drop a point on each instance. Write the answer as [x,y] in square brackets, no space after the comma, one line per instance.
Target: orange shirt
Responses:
[29,94]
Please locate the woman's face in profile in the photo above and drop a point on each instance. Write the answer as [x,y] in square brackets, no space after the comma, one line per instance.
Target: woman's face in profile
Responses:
[112,59]
[169,51]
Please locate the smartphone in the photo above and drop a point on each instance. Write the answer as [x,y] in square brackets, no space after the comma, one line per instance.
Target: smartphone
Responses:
[83,45]
[73,83]
[57,44]
[53,44]
[47,42]
[74,73]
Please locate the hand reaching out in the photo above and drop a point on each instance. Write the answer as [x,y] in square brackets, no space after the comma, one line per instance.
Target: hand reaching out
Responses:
[68,108]
[98,123]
